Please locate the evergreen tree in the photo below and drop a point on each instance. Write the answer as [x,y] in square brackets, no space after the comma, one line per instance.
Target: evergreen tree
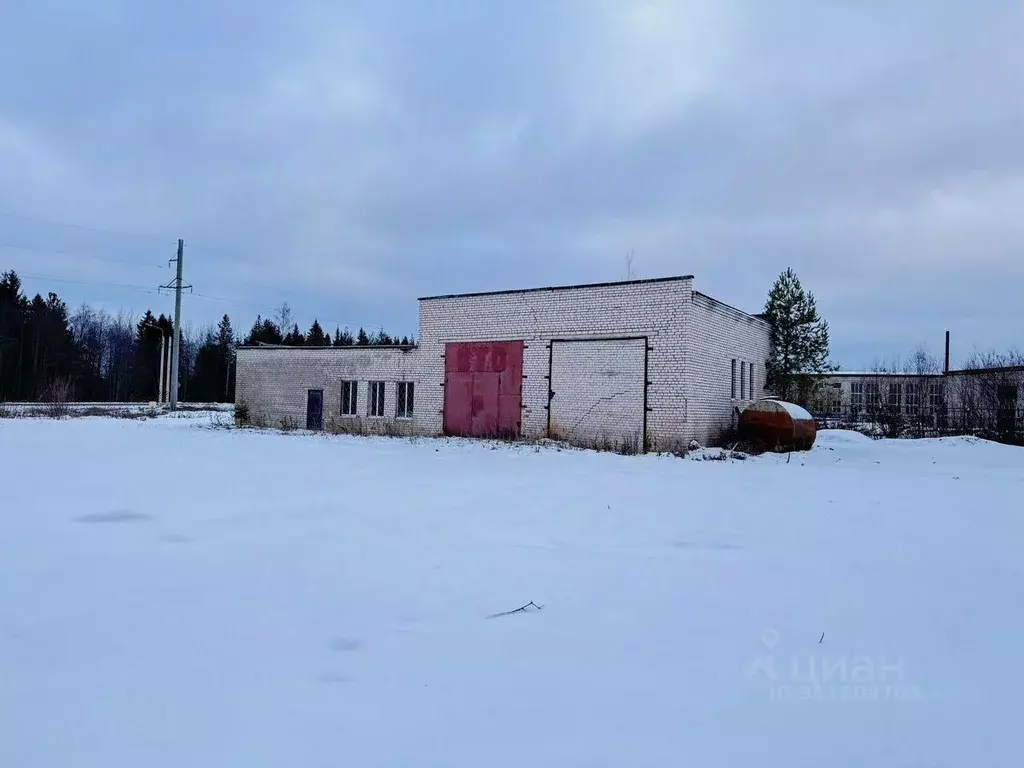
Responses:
[226,348]
[263,332]
[225,333]
[149,337]
[316,336]
[382,339]
[205,385]
[213,378]
[799,339]
[362,340]
[37,346]
[295,337]
[405,341]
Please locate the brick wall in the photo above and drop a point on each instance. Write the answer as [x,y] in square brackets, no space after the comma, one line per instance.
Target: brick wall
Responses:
[688,373]
[718,335]
[273,382]
[599,391]
[655,309]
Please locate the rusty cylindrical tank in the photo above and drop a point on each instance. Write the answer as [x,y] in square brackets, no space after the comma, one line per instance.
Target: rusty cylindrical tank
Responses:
[778,424]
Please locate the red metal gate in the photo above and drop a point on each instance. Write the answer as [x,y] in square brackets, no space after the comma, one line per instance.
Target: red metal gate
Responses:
[483,388]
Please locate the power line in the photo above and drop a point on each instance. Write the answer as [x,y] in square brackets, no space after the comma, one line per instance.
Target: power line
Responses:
[268,312]
[84,227]
[260,308]
[67,254]
[164,240]
[33,276]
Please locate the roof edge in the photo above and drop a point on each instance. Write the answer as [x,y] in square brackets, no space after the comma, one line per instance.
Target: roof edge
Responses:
[613,283]
[730,306]
[353,347]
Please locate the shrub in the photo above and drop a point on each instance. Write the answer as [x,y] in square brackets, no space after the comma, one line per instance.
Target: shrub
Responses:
[56,397]
[630,445]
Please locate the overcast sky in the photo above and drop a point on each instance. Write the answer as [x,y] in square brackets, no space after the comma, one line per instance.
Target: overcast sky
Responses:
[350,156]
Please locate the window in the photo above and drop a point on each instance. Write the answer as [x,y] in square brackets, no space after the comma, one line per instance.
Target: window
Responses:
[743,380]
[404,400]
[734,378]
[913,399]
[895,394]
[857,396]
[750,381]
[872,398]
[349,396]
[376,398]
[935,397]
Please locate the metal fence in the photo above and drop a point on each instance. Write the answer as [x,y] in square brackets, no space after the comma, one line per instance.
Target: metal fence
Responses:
[1002,424]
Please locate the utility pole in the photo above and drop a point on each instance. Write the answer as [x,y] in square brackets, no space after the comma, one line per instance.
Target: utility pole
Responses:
[164,362]
[178,284]
[167,373]
[163,345]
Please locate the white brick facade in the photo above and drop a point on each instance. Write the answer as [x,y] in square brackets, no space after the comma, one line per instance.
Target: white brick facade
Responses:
[688,339]
[598,390]
[273,383]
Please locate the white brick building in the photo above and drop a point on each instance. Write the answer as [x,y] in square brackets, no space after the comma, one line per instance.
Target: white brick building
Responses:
[650,363]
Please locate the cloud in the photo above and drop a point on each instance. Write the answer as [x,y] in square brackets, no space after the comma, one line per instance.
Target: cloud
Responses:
[349,157]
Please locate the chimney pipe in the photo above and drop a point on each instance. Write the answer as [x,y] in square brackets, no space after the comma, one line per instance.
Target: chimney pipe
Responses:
[946,368]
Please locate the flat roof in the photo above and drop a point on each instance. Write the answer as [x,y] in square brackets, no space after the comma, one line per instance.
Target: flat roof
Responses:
[303,347]
[982,371]
[730,306]
[903,374]
[559,287]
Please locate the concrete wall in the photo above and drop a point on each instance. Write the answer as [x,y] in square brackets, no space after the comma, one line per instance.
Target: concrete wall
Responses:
[720,334]
[836,393]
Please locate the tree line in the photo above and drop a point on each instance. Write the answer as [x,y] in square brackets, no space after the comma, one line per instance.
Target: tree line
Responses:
[93,355]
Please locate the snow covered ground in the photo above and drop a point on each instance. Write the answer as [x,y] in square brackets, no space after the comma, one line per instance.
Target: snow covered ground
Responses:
[173,595]
[133,409]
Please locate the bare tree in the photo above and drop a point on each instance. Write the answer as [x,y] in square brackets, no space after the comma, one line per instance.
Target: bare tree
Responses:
[121,341]
[884,393]
[630,273]
[285,321]
[924,393]
[191,342]
[987,395]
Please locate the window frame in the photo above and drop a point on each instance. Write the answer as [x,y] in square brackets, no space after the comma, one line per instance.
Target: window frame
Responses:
[872,396]
[895,396]
[912,398]
[733,396]
[375,399]
[857,396]
[405,399]
[349,405]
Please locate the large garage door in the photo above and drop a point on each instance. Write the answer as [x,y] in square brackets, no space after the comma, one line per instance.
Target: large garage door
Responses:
[483,387]
[597,391]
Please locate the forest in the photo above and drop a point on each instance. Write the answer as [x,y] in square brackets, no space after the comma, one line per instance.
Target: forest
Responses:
[92,355]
